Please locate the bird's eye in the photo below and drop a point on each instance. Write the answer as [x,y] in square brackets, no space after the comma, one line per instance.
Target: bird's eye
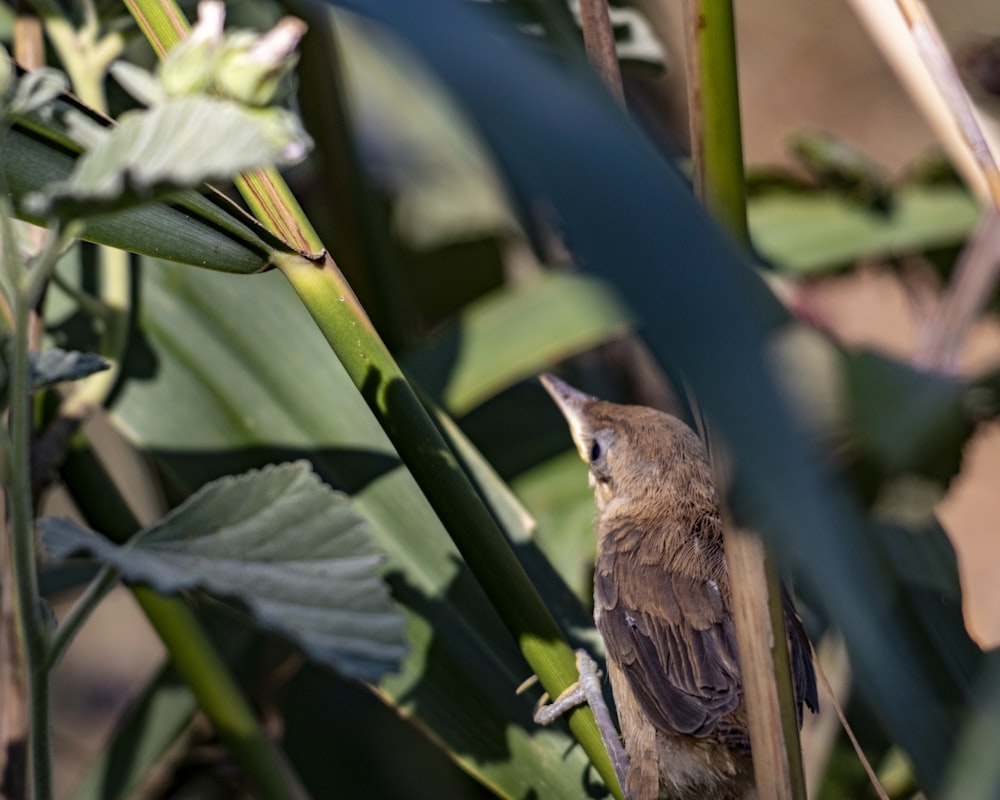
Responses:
[595,450]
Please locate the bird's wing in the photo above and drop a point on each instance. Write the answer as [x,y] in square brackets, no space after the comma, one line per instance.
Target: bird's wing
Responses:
[674,639]
[800,652]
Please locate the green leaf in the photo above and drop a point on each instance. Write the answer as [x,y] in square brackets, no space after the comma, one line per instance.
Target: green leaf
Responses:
[203,230]
[55,365]
[906,419]
[513,333]
[177,144]
[289,549]
[557,494]
[208,394]
[810,233]
[839,165]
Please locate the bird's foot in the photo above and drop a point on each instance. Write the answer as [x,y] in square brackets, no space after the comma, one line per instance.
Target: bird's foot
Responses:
[587,689]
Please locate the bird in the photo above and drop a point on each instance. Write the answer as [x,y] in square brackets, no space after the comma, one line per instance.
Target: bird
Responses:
[662,604]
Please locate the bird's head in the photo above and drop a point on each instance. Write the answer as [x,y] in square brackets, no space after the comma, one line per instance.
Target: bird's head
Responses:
[637,455]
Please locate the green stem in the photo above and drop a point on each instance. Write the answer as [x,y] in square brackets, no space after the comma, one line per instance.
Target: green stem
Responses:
[716,139]
[472,527]
[83,55]
[162,22]
[116,298]
[718,175]
[197,661]
[31,627]
[86,58]
[30,624]
[79,613]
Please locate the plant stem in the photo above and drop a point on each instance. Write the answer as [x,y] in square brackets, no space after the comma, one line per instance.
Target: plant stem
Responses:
[162,22]
[86,59]
[104,581]
[199,664]
[448,489]
[31,628]
[714,109]
[599,40]
[758,613]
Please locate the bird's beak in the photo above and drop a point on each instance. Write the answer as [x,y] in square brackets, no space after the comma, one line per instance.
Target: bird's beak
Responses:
[573,404]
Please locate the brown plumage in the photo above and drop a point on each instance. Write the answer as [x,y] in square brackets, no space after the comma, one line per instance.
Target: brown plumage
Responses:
[662,602]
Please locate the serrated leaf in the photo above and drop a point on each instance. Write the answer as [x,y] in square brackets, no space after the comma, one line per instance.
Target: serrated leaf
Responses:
[288,548]
[178,144]
[55,365]
[204,230]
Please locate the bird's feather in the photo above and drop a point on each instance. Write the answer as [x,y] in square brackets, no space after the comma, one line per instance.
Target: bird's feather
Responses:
[674,638]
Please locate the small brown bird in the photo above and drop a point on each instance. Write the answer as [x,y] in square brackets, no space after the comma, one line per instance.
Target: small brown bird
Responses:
[662,603]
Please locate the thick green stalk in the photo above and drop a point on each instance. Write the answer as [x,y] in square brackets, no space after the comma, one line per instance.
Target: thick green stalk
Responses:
[161,22]
[714,108]
[718,175]
[199,664]
[472,527]
[264,190]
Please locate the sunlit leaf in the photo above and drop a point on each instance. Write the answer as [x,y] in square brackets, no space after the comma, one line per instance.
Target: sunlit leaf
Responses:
[207,231]
[177,144]
[808,233]
[290,550]
[514,333]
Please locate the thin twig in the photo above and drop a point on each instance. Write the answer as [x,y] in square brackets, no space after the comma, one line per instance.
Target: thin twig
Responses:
[972,284]
[935,55]
[599,41]
[850,733]
[886,27]
[99,587]
[975,276]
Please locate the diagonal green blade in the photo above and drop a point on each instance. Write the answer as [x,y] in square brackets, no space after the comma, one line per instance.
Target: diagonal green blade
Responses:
[232,374]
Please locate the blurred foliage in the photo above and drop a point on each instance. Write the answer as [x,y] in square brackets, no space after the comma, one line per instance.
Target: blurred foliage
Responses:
[497,216]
